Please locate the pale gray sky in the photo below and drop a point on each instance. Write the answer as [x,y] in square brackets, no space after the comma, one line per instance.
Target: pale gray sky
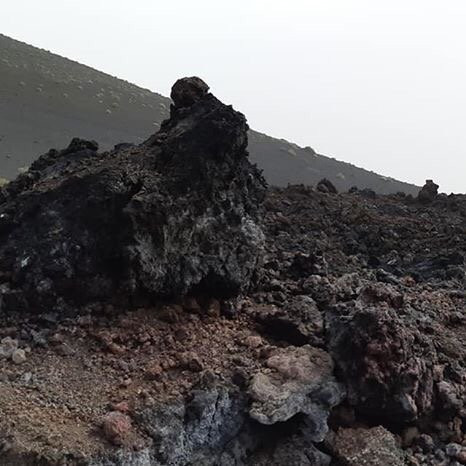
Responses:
[380,84]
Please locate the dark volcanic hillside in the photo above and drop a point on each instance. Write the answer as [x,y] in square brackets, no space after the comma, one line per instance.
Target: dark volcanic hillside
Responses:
[46,100]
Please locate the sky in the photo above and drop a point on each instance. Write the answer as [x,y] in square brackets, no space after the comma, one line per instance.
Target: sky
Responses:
[380,84]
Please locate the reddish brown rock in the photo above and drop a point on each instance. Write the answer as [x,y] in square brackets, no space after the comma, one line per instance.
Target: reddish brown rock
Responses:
[368,447]
[116,427]
[383,361]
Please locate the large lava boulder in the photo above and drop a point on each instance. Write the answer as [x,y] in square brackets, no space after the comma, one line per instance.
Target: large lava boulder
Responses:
[428,193]
[385,362]
[177,214]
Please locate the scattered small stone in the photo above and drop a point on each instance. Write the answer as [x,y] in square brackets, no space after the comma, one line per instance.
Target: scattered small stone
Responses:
[229,309]
[116,426]
[453,450]
[56,339]
[115,348]
[85,321]
[27,377]
[39,338]
[425,442]
[121,407]
[64,350]
[18,356]
[154,370]
[191,361]
[213,308]
[461,456]
[8,346]
[253,341]
[126,383]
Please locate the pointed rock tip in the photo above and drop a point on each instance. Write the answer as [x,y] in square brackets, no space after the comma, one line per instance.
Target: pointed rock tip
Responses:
[187,91]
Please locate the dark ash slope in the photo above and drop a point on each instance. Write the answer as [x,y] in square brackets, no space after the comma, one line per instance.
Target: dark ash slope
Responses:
[46,100]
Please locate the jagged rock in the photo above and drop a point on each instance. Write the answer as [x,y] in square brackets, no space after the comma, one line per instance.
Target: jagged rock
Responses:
[187,91]
[428,193]
[198,430]
[369,447]
[295,451]
[299,321]
[326,186]
[391,307]
[304,265]
[382,361]
[18,356]
[301,381]
[178,213]
[8,346]
[116,426]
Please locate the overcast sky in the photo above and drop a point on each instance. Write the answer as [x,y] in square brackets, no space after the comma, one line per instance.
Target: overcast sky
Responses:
[381,84]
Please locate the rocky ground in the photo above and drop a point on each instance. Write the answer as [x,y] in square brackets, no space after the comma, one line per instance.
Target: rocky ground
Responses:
[345,346]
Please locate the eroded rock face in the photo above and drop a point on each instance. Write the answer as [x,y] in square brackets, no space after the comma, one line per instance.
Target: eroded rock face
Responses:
[197,430]
[299,322]
[428,193]
[375,447]
[187,91]
[178,213]
[300,381]
[326,186]
[382,360]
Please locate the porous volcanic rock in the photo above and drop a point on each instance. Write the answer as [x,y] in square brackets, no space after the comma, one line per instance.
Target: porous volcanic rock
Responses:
[178,213]
[187,91]
[300,381]
[428,193]
[371,447]
[326,186]
[382,360]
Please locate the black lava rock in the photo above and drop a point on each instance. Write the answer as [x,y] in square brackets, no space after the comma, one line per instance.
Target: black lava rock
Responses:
[177,214]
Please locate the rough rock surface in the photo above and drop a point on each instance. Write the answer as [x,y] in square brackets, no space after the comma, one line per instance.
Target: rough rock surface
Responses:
[367,447]
[347,347]
[383,360]
[326,186]
[301,382]
[188,91]
[428,193]
[176,214]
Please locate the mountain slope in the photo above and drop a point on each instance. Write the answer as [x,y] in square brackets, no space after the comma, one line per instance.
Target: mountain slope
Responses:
[46,100]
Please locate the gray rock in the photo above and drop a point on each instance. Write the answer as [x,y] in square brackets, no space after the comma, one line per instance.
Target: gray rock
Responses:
[326,186]
[196,431]
[295,451]
[18,356]
[8,346]
[371,447]
[453,450]
[382,360]
[300,380]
